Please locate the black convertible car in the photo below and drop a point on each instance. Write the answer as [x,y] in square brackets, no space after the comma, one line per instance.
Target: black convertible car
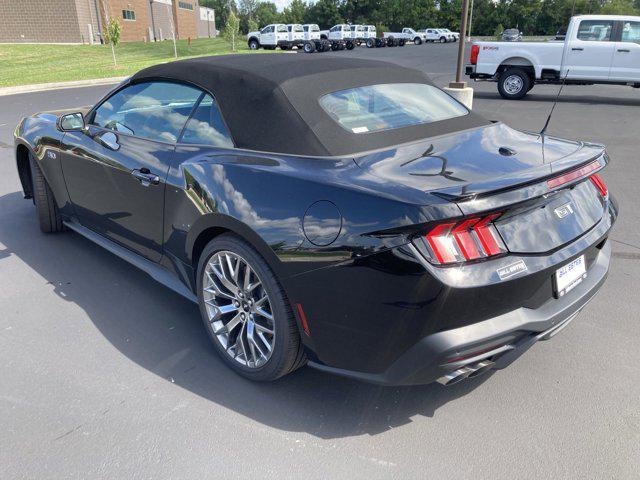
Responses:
[335,212]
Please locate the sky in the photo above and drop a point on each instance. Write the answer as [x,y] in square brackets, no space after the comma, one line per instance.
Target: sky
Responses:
[281,4]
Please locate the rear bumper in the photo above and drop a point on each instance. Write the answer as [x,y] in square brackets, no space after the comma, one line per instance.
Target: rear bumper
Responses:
[470,71]
[500,339]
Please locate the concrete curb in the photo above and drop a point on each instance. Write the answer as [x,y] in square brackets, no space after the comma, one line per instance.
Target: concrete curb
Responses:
[42,87]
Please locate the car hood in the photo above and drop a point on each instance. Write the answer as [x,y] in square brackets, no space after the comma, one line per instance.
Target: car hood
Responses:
[53,115]
[489,158]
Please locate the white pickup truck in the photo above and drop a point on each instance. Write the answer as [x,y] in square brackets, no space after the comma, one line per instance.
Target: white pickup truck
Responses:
[284,36]
[407,34]
[596,49]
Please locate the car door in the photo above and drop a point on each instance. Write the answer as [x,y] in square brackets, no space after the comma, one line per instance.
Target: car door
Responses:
[282,34]
[626,55]
[115,168]
[268,35]
[589,52]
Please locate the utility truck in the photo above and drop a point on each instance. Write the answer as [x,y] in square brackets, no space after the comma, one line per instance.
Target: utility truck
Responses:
[284,36]
[407,35]
[597,49]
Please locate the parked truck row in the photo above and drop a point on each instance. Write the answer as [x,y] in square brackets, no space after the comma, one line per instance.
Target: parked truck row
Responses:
[310,38]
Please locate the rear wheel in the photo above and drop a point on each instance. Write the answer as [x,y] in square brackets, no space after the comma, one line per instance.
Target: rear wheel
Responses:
[371,43]
[350,45]
[514,83]
[309,47]
[401,42]
[390,42]
[334,46]
[48,215]
[417,41]
[246,312]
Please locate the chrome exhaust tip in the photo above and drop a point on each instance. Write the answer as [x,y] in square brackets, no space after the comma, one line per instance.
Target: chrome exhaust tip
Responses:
[455,376]
[469,371]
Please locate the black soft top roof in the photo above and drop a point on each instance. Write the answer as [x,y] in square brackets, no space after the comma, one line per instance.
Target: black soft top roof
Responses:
[270,101]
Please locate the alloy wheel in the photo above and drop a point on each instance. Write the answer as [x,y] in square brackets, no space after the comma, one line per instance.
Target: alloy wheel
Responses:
[238,309]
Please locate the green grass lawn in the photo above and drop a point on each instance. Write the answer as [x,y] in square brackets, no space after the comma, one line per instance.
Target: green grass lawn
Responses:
[27,64]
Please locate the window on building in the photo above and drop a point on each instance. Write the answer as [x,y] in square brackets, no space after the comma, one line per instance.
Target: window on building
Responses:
[186,5]
[129,15]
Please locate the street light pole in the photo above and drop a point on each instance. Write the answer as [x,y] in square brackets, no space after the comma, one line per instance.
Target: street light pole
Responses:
[470,21]
[459,89]
[463,28]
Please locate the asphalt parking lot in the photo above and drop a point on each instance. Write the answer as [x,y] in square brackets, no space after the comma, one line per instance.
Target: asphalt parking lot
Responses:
[106,374]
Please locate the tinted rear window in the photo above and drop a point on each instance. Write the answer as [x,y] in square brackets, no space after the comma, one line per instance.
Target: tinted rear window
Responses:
[384,107]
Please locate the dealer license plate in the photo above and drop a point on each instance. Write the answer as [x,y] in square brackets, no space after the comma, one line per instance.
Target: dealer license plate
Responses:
[569,276]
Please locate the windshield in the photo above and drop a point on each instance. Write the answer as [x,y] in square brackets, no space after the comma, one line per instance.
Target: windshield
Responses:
[383,107]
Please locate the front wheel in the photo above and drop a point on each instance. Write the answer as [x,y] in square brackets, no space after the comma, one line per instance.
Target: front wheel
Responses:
[514,83]
[48,215]
[254,45]
[417,41]
[350,45]
[246,312]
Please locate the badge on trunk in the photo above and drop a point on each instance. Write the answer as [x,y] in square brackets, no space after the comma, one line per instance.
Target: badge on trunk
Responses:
[511,270]
[564,210]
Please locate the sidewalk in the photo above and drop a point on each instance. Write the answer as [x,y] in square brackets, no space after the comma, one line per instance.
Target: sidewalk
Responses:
[41,87]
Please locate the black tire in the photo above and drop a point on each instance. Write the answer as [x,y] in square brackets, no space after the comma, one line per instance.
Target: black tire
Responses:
[514,83]
[254,44]
[371,43]
[334,46]
[390,42]
[443,40]
[309,47]
[284,47]
[341,46]
[417,41]
[350,45]
[288,352]
[48,214]
[402,42]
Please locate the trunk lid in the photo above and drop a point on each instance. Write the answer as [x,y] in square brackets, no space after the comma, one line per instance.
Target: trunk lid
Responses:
[499,168]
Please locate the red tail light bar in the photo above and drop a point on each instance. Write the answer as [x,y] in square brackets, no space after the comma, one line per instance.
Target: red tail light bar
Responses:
[565,178]
[468,239]
[599,183]
[475,51]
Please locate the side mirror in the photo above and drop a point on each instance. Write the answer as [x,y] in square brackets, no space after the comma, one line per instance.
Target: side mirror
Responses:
[71,122]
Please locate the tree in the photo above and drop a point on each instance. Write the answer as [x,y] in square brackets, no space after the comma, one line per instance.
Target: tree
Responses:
[232,29]
[222,9]
[325,13]
[619,7]
[266,13]
[113,36]
[295,12]
[252,26]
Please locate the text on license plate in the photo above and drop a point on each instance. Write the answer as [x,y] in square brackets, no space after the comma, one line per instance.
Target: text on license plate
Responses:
[570,275]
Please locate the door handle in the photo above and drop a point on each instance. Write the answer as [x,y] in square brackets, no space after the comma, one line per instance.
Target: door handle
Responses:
[624,50]
[145,177]
[577,49]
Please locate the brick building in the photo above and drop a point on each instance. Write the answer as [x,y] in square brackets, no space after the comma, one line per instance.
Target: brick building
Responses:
[83,21]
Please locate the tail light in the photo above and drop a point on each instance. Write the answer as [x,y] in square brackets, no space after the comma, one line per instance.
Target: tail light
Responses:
[565,178]
[462,241]
[599,183]
[473,58]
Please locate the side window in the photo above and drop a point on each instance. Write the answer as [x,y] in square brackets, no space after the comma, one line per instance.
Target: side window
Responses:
[267,29]
[205,127]
[333,29]
[305,28]
[595,30]
[631,32]
[282,28]
[152,110]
